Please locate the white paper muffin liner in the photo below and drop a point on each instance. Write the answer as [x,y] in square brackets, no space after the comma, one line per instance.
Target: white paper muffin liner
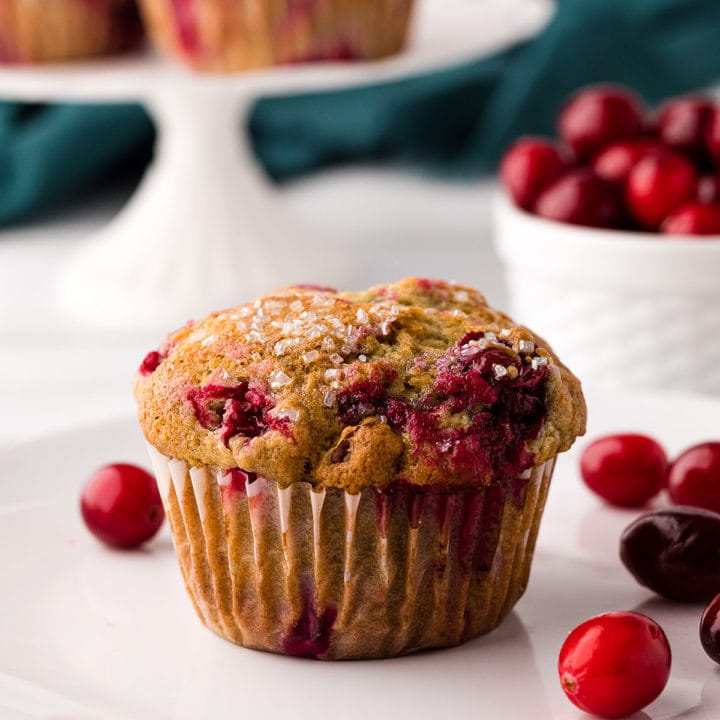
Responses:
[331,575]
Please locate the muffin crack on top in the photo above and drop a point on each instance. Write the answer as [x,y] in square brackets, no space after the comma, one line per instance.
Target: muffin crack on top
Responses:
[419,381]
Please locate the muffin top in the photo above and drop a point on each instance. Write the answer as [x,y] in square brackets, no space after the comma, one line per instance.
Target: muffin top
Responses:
[418,381]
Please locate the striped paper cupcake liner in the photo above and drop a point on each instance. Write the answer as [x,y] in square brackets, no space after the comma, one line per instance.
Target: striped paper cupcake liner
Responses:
[330,575]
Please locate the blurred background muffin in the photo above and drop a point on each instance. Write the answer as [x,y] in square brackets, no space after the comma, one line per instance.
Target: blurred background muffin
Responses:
[222,36]
[40,31]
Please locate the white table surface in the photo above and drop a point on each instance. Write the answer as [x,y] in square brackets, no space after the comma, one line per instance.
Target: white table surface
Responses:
[55,373]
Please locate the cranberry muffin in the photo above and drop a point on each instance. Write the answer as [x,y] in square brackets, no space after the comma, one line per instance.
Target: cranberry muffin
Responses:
[35,31]
[231,35]
[356,475]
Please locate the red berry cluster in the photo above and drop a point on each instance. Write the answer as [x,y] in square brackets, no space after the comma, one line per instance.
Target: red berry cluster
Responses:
[618,165]
[628,470]
[615,664]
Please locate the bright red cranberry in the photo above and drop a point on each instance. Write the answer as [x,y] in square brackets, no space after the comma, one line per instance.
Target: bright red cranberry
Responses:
[528,167]
[151,362]
[710,629]
[615,664]
[712,134]
[659,183]
[615,161]
[626,470]
[693,219]
[694,477]
[683,123]
[598,116]
[708,189]
[580,198]
[121,505]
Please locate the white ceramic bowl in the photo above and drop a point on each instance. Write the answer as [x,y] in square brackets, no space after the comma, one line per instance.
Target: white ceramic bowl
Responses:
[620,308]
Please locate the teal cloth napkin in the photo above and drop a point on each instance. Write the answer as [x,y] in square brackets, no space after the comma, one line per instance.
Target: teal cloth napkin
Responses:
[455,122]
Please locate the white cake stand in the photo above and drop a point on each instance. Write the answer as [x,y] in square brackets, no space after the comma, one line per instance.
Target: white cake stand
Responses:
[205,229]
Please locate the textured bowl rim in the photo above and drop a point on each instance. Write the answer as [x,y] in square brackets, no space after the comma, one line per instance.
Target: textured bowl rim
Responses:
[628,260]
[609,238]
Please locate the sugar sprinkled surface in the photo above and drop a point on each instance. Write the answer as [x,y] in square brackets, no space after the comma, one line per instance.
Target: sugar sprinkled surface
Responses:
[526,346]
[279,379]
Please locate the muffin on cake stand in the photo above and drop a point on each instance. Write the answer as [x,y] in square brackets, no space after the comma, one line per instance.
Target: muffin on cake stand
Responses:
[205,228]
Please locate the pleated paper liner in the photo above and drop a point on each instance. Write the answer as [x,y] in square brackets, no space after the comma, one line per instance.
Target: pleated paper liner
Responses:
[222,36]
[330,575]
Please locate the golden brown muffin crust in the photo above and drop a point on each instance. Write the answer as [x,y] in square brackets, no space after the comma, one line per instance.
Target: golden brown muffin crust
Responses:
[418,380]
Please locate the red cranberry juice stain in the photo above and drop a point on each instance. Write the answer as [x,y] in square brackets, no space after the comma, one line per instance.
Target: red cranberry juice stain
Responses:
[236,487]
[186,27]
[310,636]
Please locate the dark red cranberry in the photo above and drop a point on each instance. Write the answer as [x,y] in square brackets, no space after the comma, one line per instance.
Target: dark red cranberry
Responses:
[682,125]
[712,135]
[675,553]
[615,664]
[659,183]
[710,629]
[694,477]
[693,219]
[581,198]
[626,470]
[599,115]
[528,167]
[708,189]
[121,505]
[615,161]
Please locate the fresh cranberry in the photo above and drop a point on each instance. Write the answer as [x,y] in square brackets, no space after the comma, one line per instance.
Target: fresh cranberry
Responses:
[712,134]
[626,470]
[710,629]
[615,664]
[675,552]
[708,189]
[683,123]
[693,219]
[694,477]
[661,182]
[121,505]
[598,116]
[615,161]
[528,167]
[580,198]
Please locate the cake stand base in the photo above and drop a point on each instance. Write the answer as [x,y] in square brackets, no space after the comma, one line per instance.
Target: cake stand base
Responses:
[205,228]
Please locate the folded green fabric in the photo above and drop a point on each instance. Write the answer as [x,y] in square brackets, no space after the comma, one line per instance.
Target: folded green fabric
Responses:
[456,121]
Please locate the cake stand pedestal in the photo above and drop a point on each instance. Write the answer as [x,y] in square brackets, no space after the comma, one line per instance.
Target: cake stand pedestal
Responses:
[205,228]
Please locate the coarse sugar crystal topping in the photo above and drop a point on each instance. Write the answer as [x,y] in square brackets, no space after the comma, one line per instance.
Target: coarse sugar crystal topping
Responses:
[427,363]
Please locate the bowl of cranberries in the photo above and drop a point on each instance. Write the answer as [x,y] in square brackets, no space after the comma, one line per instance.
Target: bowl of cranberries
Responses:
[610,237]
